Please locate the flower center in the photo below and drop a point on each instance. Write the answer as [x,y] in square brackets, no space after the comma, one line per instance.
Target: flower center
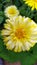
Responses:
[11,11]
[20,33]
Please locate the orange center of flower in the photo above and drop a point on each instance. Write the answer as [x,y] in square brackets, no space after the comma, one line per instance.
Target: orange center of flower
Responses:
[20,33]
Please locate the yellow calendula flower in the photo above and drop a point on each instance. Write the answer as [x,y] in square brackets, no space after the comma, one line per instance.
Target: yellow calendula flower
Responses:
[20,35]
[11,11]
[31,3]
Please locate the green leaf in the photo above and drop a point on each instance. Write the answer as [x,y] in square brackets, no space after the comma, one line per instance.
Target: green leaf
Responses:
[18,3]
[1,19]
[0,6]
[8,0]
[35,17]
[1,13]
[26,11]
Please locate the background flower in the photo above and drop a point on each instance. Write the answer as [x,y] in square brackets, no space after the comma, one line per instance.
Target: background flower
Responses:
[11,11]
[31,3]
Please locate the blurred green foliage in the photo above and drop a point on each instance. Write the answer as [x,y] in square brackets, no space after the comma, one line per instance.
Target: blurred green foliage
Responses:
[26,58]
[24,9]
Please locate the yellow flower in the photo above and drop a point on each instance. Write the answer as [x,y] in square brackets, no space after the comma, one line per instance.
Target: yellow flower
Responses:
[20,35]
[31,3]
[11,11]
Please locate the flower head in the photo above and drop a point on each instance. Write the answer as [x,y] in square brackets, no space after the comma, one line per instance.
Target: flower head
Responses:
[31,3]
[20,35]
[11,11]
